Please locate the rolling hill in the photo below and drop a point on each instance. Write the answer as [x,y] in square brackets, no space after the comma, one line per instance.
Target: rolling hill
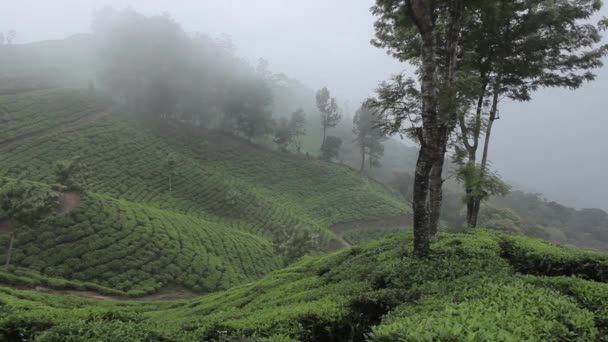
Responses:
[230,212]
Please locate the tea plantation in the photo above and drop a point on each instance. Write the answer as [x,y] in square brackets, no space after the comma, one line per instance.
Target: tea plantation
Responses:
[227,213]
[470,290]
[290,199]
[31,112]
[137,249]
[174,208]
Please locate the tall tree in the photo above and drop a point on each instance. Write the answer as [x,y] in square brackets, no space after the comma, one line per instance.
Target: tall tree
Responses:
[10,36]
[507,57]
[249,108]
[297,127]
[140,57]
[331,148]
[330,113]
[426,33]
[368,135]
[70,174]
[288,131]
[282,134]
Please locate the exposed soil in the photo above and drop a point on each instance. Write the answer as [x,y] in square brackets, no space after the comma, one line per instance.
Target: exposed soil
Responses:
[79,123]
[68,201]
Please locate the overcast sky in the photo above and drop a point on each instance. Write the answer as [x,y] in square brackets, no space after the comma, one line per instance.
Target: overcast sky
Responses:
[555,144]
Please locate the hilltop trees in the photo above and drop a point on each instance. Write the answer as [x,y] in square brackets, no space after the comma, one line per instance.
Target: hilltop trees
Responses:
[507,57]
[152,66]
[248,109]
[23,203]
[297,126]
[141,59]
[331,148]
[426,34]
[330,113]
[470,54]
[288,131]
[368,136]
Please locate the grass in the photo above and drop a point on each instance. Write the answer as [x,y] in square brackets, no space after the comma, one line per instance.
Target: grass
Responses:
[468,290]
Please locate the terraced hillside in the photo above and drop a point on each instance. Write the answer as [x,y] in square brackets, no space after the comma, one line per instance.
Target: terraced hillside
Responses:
[221,185]
[21,115]
[475,288]
[137,249]
[217,176]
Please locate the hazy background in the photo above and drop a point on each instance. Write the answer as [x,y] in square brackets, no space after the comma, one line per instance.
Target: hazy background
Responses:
[555,144]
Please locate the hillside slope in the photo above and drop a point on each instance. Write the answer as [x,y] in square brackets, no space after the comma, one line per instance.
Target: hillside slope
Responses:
[218,177]
[222,186]
[139,250]
[478,286]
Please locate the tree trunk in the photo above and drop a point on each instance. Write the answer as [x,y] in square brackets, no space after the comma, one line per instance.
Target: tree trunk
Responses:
[419,202]
[475,212]
[324,134]
[362,158]
[9,252]
[486,144]
[436,184]
[422,15]
[470,210]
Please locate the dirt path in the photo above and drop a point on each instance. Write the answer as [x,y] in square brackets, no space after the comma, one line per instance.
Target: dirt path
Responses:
[79,123]
[168,294]
[68,201]
[341,229]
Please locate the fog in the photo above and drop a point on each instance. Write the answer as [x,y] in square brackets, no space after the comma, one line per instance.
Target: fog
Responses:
[554,144]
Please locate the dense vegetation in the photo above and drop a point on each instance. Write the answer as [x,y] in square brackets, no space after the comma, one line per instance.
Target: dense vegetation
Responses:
[144,225]
[468,290]
[138,249]
[32,112]
[184,173]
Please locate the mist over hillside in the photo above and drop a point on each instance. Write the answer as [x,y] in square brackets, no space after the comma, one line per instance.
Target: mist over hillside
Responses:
[320,48]
[281,171]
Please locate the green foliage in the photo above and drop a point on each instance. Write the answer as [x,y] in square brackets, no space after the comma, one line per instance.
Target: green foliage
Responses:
[331,148]
[327,106]
[480,183]
[359,236]
[69,174]
[588,294]
[368,135]
[288,131]
[138,250]
[24,202]
[378,290]
[542,258]
[501,219]
[490,311]
[219,178]
[33,112]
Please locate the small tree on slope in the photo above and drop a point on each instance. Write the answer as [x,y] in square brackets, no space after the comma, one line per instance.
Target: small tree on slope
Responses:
[24,203]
